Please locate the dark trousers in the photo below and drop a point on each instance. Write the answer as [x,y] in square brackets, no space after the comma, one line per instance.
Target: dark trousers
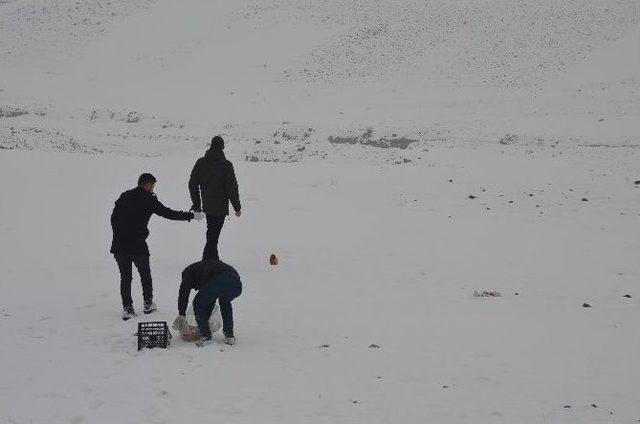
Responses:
[214,227]
[142,264]
[225,286]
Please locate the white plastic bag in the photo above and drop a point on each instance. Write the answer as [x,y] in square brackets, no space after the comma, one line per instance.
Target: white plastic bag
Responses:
[215,321]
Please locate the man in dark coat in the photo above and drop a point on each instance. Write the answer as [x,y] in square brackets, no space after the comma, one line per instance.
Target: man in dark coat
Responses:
[214,181]
[129,221]
[213,280]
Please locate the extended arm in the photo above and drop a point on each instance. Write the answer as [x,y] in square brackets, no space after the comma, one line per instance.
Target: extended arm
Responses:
[115,214]
[183,294]
[194,189]
[231,186]
[165,212]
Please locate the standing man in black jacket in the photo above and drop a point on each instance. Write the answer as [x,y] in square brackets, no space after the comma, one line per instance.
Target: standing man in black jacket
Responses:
[129,221]
[213,280]
[214,179]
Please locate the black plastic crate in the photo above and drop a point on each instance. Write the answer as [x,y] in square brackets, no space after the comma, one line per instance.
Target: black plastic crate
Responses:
[153,334]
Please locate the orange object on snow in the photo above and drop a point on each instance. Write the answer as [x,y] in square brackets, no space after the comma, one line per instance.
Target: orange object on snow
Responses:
[273,260]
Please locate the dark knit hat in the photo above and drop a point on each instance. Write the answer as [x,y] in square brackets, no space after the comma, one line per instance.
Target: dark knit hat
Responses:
[217,143]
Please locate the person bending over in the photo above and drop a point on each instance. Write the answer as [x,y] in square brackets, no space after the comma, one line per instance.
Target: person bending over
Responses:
[213,280]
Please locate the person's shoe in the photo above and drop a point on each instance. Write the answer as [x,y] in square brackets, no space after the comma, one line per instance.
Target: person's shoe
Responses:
[128,313]
[204,341]
[149,307]
[230,340]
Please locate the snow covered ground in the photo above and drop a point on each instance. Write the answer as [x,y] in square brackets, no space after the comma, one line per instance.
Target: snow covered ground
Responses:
[396,156]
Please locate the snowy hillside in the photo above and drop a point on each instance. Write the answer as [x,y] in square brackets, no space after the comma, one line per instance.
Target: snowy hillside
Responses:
[396,156]
[476,69]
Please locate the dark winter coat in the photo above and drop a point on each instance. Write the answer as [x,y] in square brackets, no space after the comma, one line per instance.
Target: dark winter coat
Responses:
[130,218]
[213,177]
[199,274]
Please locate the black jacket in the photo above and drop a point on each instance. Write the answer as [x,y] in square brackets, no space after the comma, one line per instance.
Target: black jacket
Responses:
[130,217]
[213,177]
[198,274]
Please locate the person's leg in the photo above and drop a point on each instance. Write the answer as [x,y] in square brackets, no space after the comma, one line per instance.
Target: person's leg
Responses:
[124,266]
[142,264]
[226,310]
[203,304]
[214,227]
[232,289]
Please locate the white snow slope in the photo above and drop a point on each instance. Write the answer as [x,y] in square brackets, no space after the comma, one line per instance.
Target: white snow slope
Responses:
[396,156]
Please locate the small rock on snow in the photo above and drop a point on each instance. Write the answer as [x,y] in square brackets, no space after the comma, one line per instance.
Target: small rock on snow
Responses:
[471,196]
[586,305]
[374,346]
[628,296]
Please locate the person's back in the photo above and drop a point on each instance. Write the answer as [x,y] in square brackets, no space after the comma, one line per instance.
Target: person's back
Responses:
[212,185]
[217,182]
[130,219]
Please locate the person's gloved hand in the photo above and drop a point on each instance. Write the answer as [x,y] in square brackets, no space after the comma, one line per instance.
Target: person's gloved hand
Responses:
[238,212]
[195,208]
[198,216]
[179,323]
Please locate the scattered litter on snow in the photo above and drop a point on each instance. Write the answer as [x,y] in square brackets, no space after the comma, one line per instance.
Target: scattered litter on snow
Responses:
[509,139]
[486,294]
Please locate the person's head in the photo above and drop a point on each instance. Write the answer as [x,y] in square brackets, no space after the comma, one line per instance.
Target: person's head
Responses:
[217,143]
[147,182]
